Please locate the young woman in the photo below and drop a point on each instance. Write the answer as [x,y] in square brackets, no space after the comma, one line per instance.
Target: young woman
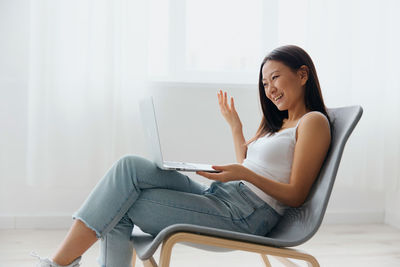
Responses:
[275,169]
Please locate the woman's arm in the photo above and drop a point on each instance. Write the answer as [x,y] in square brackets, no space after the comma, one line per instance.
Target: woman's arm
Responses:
[313,140]
[240,144]
[231,116]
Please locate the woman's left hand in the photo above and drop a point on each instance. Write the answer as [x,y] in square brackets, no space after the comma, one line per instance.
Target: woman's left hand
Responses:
[228,173]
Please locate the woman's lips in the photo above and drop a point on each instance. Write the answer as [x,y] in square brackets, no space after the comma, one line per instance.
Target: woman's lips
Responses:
[278,97]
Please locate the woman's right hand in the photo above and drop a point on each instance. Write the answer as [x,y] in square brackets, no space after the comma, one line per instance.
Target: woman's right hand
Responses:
[229,112]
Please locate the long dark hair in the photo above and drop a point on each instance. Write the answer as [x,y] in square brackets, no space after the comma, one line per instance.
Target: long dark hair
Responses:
[294,57]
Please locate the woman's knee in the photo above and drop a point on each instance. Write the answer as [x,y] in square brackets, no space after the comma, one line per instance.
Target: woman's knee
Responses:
[131,160]
[134,162]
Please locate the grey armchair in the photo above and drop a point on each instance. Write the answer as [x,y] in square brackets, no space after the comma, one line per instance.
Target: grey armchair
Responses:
[296,226]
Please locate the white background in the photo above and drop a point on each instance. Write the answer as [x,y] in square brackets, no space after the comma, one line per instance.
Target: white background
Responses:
[45,178]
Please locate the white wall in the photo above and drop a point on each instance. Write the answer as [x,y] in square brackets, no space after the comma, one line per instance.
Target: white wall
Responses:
[205,138]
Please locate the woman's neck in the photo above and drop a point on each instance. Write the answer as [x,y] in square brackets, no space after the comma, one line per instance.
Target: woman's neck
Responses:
[296,113]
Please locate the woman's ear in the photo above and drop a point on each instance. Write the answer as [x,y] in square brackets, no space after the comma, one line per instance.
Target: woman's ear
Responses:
[303,74]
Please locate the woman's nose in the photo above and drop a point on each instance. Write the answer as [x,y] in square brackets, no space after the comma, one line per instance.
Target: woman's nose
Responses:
[271,90]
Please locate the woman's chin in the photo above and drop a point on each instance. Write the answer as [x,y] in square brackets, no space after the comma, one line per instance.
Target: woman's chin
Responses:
[281,107]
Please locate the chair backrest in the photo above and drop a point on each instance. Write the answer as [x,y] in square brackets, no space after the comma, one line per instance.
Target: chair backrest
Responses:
[300,224]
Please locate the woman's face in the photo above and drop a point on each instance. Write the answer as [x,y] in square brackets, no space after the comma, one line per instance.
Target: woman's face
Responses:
[283,86]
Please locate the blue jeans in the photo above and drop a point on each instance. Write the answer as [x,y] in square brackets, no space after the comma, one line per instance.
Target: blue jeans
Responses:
[135,192]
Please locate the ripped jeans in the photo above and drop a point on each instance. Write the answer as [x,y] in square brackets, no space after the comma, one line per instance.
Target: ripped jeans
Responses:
[135,192]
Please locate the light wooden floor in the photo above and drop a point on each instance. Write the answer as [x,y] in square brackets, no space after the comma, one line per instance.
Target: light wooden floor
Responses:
[333,245]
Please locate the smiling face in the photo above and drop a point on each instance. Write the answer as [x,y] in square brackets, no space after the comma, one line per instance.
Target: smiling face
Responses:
[283,86]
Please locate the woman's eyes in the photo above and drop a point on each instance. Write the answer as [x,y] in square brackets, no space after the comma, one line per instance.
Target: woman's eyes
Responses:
[273,78]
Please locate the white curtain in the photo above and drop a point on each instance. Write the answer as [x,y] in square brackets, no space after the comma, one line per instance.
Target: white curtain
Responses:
[87,71]
[356,46]
[89,63]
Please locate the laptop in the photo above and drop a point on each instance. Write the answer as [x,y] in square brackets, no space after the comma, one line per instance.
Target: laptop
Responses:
[150,127]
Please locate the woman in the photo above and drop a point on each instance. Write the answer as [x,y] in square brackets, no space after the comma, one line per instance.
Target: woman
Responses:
[275,169]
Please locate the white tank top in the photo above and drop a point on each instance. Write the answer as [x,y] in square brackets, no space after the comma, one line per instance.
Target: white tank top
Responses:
[271,156]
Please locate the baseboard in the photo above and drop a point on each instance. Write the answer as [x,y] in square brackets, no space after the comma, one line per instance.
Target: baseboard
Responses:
[354,217]
[7,222]
[392,219]
[35,222]
[63,222]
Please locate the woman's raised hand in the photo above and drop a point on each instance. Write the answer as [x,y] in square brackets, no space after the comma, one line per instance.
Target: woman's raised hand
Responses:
[229,112]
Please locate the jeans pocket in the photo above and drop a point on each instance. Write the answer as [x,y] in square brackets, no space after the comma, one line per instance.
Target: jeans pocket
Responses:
[249,196]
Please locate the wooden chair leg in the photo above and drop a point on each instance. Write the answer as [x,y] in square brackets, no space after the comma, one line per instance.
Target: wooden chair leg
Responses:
[166,250]
[286,262]
[150,263]
[134,258]
[168,244]
[266,261]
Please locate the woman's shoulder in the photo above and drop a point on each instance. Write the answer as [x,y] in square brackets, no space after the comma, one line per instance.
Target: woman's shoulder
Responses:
[314,121]
[315,116]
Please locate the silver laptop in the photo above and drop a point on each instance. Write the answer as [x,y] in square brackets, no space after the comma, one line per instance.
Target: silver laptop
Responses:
[153,142]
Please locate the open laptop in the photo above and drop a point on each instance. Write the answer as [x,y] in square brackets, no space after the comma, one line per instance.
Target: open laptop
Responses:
[152,137]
